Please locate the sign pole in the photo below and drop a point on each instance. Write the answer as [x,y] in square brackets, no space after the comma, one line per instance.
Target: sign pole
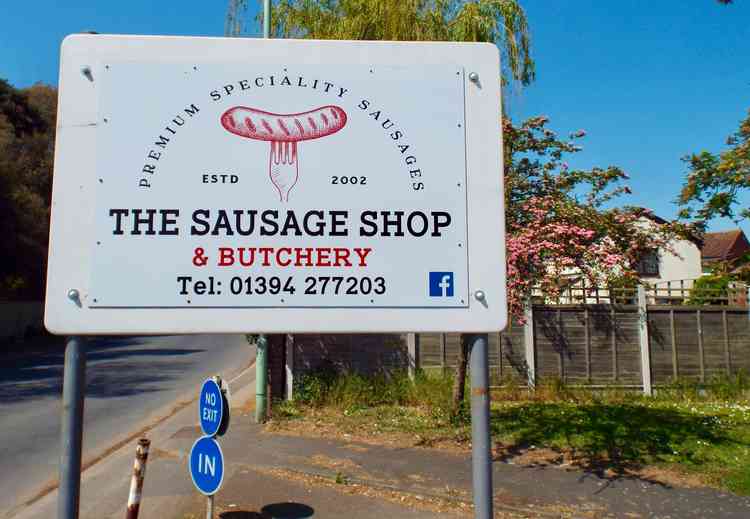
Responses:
[74,384]
[261,378]
[261,358]
[210,507]
[481,454]
[266,18]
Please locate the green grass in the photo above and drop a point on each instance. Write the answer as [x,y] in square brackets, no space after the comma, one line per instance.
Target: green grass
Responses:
[703,430]
[711,439]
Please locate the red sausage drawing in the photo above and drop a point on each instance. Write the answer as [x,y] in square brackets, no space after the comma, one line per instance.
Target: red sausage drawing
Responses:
[284,131]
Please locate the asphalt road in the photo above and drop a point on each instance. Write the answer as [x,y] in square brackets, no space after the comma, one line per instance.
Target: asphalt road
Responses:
[130,381]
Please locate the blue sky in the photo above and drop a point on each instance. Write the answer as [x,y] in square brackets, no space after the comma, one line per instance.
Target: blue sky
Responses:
[650,81]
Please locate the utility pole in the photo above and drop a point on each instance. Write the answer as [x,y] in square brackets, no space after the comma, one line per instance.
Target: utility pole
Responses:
[266,18]
[261,358]
[233,27]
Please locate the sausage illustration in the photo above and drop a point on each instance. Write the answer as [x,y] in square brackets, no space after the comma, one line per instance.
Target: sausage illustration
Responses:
[283,131]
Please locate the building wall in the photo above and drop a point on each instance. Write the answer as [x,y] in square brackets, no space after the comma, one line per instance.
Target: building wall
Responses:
[684,263]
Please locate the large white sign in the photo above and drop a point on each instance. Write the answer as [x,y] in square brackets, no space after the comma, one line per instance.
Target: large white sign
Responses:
[227,185]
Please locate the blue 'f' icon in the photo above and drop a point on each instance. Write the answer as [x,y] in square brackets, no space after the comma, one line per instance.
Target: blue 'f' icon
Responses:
[441,284]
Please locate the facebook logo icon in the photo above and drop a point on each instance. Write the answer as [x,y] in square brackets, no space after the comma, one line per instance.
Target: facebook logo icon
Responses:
[441,284]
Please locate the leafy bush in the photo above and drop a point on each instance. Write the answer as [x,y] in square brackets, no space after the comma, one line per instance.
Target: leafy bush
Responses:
[709,290]
[622,290]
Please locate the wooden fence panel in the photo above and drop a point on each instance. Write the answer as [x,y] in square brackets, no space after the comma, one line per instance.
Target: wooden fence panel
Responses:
[602,335]
[627,347]
[452,344]
[713,344]
[599,344]
[361,353]
[429,349]
[739,341]
[573,328]
[493,354]
[686,337]
[549,344]
[660,341]
[513,352]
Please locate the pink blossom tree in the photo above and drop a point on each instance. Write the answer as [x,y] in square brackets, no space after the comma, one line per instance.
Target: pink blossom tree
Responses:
[561,221]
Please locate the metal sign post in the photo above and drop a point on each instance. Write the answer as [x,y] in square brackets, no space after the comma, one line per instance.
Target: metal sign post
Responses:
[481,450]
[261,378]
[261,345]
[71,436]
[206,461]
[206,464]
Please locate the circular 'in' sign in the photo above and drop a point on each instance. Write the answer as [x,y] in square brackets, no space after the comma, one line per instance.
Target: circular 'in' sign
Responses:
[211,407]
[207,465]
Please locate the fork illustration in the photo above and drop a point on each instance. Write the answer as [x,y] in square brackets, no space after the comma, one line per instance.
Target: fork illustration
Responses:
[283,167]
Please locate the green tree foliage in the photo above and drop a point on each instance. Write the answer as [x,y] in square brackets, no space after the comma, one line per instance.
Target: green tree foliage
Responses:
[555,215]
[502,22]
[27,133]
[715,182]
[710,290]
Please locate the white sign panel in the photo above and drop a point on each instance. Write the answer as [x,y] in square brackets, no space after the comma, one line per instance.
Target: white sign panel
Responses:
[237,185]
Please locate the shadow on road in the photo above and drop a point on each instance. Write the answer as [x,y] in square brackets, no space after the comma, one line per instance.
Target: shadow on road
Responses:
[116,367]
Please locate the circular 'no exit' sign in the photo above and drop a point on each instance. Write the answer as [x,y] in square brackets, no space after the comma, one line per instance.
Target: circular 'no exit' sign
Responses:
[211,407]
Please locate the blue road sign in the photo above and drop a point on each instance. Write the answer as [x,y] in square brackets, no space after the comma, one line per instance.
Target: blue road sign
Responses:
[207,465]
[210,407]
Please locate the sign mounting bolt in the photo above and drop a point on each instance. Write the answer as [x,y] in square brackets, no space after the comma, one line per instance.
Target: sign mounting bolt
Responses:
[479,295]
[75,296]
[86,71]
[473,77]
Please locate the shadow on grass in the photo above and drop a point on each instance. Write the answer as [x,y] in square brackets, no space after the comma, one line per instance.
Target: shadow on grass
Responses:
[609,440]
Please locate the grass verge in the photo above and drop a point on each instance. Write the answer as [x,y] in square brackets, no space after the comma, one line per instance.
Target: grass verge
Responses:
[687,435]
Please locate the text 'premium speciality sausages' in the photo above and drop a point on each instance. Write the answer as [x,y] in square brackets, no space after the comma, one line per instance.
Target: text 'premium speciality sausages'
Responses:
[283,131]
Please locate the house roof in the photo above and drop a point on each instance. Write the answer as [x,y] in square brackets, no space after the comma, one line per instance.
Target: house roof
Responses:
[644,212]
[724,246]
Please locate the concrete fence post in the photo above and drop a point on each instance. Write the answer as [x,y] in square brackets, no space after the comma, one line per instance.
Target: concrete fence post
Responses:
[289,366]
[528,343]
[412,345]
[643,341]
